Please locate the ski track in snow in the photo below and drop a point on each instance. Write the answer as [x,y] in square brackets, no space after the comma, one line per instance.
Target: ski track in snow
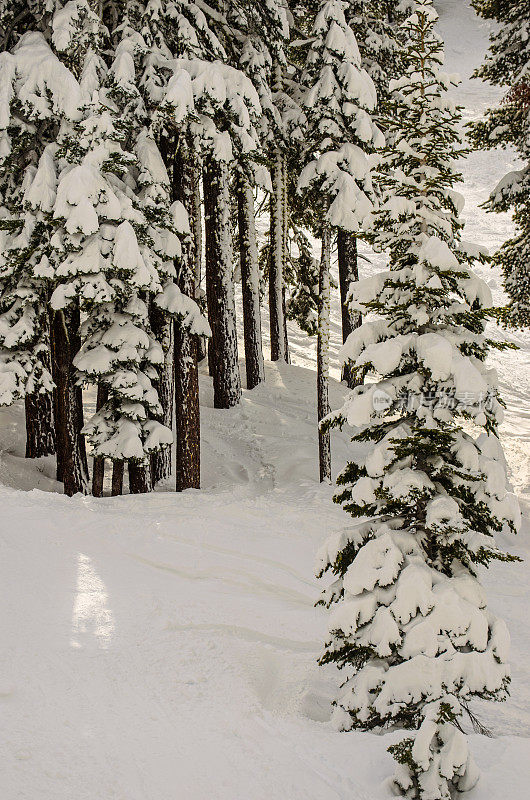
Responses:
[164,647]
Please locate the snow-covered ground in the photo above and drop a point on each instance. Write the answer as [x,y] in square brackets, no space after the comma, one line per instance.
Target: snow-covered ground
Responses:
[164,647]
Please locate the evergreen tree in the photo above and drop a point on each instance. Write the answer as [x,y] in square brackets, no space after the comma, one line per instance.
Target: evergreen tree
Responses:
[337,100]
[15,19]
[377,28]
[93,226]
[508,65]
[169,31]
[410,623]
[40,97]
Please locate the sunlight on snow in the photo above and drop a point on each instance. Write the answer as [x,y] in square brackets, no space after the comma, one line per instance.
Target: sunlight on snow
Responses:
[90,615]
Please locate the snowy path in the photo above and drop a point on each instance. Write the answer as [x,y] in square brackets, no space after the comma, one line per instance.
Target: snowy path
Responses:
[164,647]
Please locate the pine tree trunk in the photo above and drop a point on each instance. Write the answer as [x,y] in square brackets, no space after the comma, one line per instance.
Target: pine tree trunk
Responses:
[277,243]
[162,328]
[220,285]
[196,228]
[188,455]
[348,272]
[71,453]
[285,337]
[188,423]
[139,478]
[324,449]
[285,215]
[196,224]
[117,478]
[98,470]
[40,432]
[255,368]
[276,314]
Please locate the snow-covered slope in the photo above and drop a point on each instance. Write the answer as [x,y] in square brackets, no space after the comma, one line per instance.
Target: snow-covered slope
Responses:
[164,647]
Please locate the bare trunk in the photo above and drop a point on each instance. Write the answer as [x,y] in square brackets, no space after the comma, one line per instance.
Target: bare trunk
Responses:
[285,215]
[255,368]
[71,452]
[139,478]
[348,272]
[285,338]
[117,478]
[162,328]
[196,227]
[220,285]
[188,457]
[324,449]
[277,245]
[188,423]
[98,471]
[196,224]
[40,433]
[276,315]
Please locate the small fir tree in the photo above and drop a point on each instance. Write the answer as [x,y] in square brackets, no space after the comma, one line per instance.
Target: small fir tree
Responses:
[410,623]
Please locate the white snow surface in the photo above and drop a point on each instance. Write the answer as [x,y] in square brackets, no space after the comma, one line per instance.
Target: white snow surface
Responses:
[163,647]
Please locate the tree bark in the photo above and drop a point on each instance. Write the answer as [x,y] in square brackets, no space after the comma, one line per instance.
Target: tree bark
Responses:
[188,424]
[277,242]
[98,470]
[196,223]
[71,453]
[285,215]
[248,249]
[162,328]
[220,285]
[348,272]
[117,478]
[40,432]
[188,455]
[276,315]
[139,478]
[196,228]
[324,449]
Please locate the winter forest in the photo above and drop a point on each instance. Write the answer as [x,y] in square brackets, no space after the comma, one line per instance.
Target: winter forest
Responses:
[264,399]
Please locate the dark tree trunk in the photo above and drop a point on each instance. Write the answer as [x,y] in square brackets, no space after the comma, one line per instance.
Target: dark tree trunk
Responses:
[276,314]
[139,478]
[188,455]
[196,223]
[211,358]
[196,227]
[187,416]
[324,448]
[285,215]
[277,243]
[285,337]
[98,470]
[220,285]
[40,433]
[71,453]
[117,478]
[348,272]
[248,249]
[162,328]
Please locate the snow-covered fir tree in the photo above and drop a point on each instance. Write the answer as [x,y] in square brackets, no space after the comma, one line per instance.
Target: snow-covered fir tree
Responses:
[410,623]
[377,28]
[92,226]
[167,32]
[378,31]
[40,96]
[508,65]
[338,98]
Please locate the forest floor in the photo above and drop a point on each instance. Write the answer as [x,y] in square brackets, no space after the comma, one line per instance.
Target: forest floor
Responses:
[164,647]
